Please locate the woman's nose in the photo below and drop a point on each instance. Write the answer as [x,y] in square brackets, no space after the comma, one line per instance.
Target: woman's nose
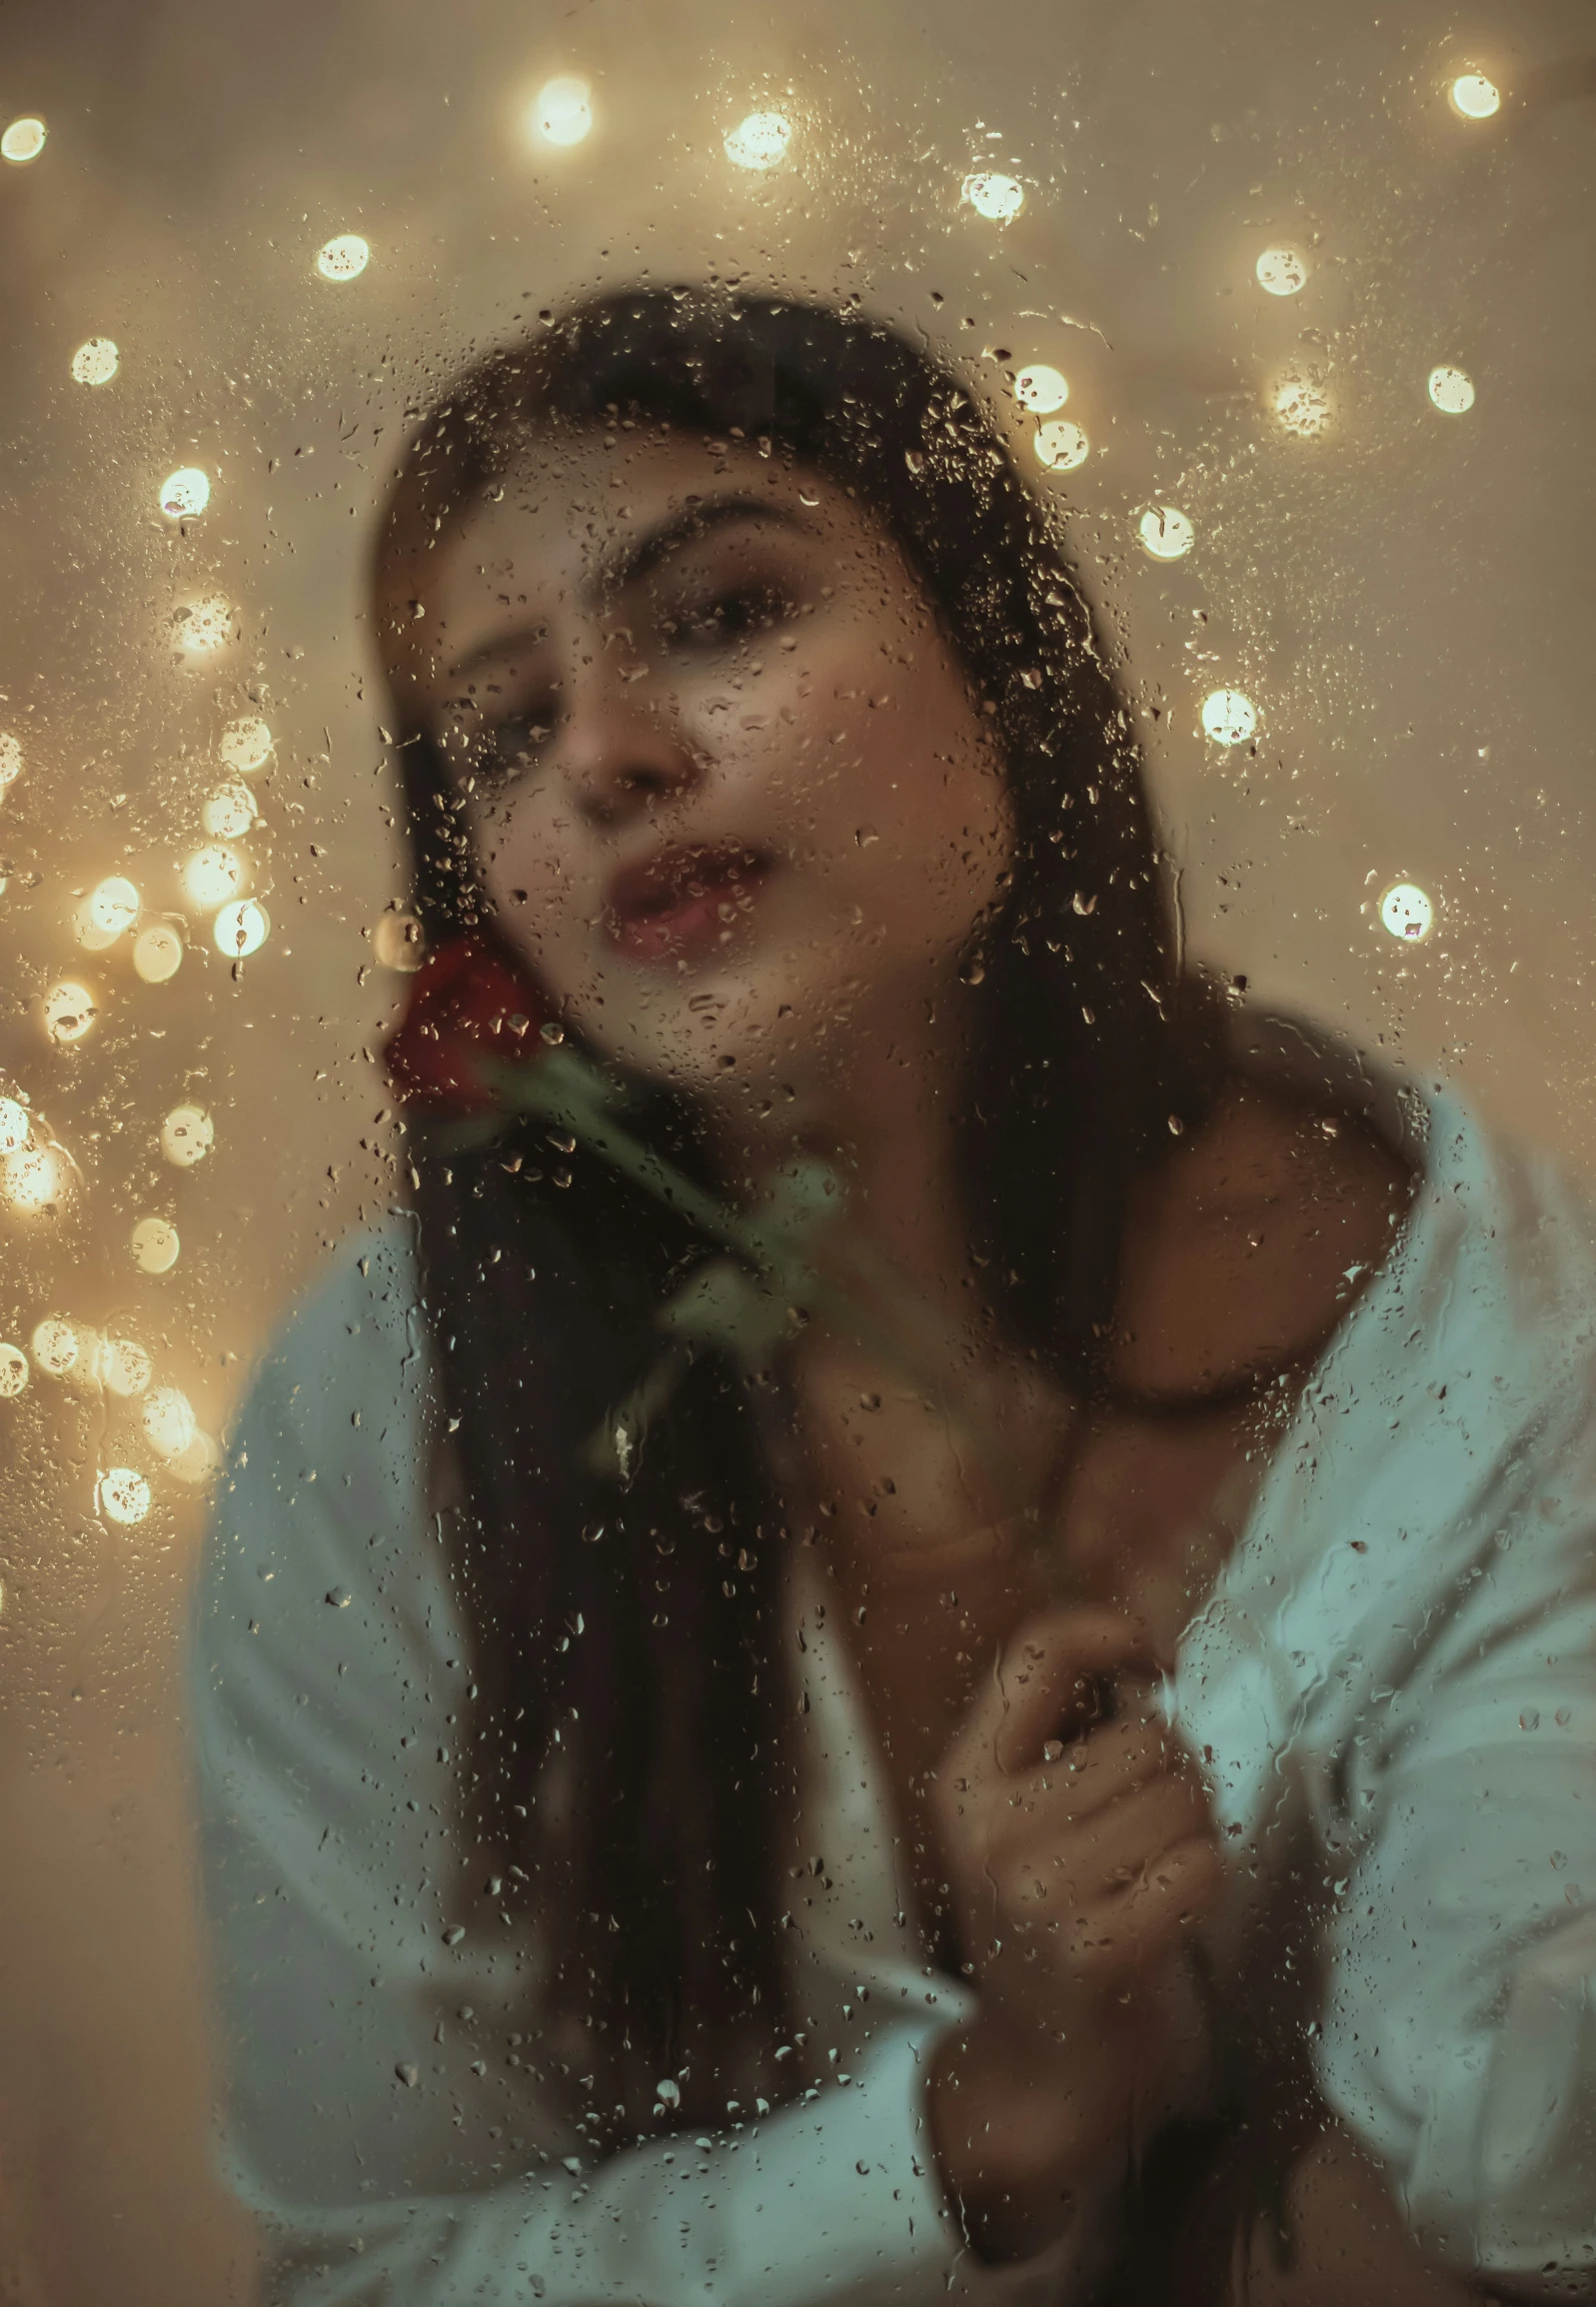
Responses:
[620,759]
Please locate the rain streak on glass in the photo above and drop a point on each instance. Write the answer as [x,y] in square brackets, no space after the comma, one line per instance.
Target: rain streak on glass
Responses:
[158,953]
[1282,271]
[343,258]
[1228,717]
[1165,533]
[561,110]
[1040,389]
[153,1242]
[23,141]
[1452,390]
[244,747]
[1473,97]
[993,195]
[187,1136]
[759,142]
[1407,912]
[95,362]
[13,1372]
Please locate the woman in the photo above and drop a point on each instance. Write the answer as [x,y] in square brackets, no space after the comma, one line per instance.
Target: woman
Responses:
[924,1619]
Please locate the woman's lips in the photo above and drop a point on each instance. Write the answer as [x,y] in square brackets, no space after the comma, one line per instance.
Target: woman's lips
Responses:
[682,903]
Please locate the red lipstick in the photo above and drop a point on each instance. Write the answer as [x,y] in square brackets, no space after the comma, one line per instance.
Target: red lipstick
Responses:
[680,903]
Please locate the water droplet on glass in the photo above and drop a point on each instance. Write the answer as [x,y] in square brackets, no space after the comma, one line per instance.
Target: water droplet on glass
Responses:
[153,1242]
[185,493]
[759,142]
[95,362]
[1282,271]
[1228,715]
[993,195]
[1165,534]
[1062,445]
[1452,390]
[187,1136]
[1407,912]
[561,110]
[23,141]
[344,257]
[398,942]
[1531,1719]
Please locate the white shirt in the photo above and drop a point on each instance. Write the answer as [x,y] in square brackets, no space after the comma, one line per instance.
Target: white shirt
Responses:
[1393,1689]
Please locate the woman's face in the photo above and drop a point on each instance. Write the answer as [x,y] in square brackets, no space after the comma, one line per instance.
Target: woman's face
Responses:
[729,792]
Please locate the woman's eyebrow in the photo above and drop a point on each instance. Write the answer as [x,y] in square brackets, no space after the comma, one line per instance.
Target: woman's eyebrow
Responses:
[636,559]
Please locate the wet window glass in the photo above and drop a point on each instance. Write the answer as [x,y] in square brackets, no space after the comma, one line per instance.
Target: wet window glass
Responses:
[797,1318]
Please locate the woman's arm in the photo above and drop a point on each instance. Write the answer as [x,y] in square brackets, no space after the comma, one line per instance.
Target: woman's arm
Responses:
[393,2146]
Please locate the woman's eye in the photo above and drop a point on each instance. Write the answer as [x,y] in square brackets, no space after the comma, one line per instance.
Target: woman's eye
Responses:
[499,749]
[726,618]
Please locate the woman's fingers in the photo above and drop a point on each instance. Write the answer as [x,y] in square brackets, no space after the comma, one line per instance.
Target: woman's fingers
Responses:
[1048,1858]
[1044,1688]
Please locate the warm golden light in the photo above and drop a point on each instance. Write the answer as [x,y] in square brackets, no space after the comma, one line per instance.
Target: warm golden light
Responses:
[158,953]
[399,941]
[241,929]
[213,874]
[123,1494]
[345,257]
[1062,445]
[187,1136]
[199,1462]
[229,812]
[244,747]
[154,1245]
[1452,390]
[1228,717]
[13,1373]
[10,761]
[123,1368]
[23,141]
[1167,533]
[1040,389]
[95,362]
[56,1345]
[203,625]
[1407,912]
[1473,97]
[14,1125]
[997,197]
[1282,271]
[1302,405]
[110,907]
[561,110]
[185,493]
[168,1421]
[33,1178]
[69,1012]
[759,142]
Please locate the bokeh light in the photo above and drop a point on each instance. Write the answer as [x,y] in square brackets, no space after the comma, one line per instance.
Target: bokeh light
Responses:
[185,493]
[759,142]
[95,362]
[34,1178]
[168,1421]
[344,257]
[1062,445]
[123,1494]
[1407,912]
[996,197]
[1228,717]
[229,812]
[15,1124]
[203,626]
[1473,97]
[213,874]
[10,760]
[57,1347]
[1282,271]
[561,110]
[1040,389]
[110,907]
[1452,390]
[155,1245]
[1302,407]
[69,1012]
[158,953]
[1167,533]
[123,1366]
[244,747]
[13,1372]
[198,1462]
[187,1136]
[241,929]
[23,141]
[399,941]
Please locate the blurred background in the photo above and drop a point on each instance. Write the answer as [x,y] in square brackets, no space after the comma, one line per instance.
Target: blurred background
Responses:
[1289,304]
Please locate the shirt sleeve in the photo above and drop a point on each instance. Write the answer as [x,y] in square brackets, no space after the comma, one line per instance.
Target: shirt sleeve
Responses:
[391,2146]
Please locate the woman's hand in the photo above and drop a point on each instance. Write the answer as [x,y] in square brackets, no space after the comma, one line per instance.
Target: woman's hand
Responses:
[1081,1852]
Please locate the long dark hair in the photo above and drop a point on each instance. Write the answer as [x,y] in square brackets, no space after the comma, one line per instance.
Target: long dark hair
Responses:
[632,1636]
